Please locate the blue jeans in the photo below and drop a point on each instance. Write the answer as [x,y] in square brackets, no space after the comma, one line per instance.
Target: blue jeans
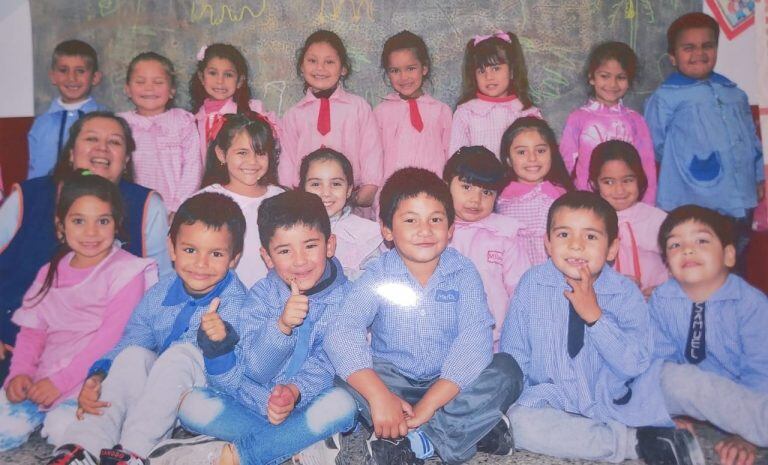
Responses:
[257,441]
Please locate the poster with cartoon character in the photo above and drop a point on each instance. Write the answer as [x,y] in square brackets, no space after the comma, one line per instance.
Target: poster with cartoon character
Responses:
[734,16]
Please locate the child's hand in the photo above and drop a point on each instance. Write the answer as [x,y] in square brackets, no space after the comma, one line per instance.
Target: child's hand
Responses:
[422,413]
[17,388]
[685,423]
[212,324]
[88,399]
[583,296]
[5,350]
[281,402]
[389,414]
[734,450]
[44,392]
[648,291]
[760,191]
[295,310]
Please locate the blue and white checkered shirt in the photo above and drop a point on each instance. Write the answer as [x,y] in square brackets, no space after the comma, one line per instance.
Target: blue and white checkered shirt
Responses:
[736,324]
[615,358]
[264,352]
[440,330]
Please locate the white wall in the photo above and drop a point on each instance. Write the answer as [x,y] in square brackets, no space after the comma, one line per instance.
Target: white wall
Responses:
[16,79]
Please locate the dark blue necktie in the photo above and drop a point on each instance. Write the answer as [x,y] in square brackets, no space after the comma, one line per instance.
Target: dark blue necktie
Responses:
[696,346]
[575,331]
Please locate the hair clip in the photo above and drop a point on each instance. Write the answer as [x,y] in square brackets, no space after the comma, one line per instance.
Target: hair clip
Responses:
[201,53]
[498,34]
[86,173]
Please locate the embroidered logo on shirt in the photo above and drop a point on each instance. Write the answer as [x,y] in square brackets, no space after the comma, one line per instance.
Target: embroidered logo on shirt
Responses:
[494,256]
[446,296]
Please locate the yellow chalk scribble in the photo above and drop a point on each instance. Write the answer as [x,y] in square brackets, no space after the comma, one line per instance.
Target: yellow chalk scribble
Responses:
[358,7]
[204,10]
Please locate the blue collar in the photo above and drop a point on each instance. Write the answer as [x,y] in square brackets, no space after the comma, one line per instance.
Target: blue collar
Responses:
[730,290]
[178,295]
[679,79]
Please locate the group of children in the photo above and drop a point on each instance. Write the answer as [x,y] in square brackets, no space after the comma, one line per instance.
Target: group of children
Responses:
[496,307]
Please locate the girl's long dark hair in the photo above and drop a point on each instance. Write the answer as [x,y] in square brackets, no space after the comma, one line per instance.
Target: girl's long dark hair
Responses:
[229,52]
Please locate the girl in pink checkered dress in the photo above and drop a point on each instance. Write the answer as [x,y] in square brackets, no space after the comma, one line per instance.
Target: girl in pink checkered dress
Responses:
[495,92]
[538,177]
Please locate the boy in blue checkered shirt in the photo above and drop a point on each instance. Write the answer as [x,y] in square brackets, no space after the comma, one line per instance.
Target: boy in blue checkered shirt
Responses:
[429,382]
[131,396]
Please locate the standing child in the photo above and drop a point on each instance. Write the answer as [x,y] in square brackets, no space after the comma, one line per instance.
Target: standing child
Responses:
[611,70]
[130,399]
[328,174]
[495,92]
[710,329]
[74,312]
[167,157]
[703,133]
[242,164]
[429,367]
[475,177]
[415,128]
[582,336]
[538,177]
[220,86]
[74,72]
[615,171]
[329,116]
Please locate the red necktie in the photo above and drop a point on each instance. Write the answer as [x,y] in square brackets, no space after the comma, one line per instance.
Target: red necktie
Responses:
[212,126]
[324,117]
[413,109]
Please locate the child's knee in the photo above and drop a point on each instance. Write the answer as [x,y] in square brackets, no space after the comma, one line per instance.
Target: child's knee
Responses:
[199,407]
[333,406]
[181,354]
[17,422]
[57,421]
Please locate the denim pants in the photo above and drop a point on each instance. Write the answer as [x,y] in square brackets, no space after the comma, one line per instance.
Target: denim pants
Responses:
[256,440]
[689,390]
[455,429]
[144,391]
[18,421]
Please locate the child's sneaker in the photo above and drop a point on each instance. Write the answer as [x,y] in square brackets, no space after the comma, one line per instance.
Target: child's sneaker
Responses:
[499,440]
[390,452]
[119,456]
[72,454]
[668,446]
[197,450]
[321,453]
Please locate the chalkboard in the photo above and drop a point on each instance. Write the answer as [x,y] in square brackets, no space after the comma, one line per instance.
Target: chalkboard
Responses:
[556,36]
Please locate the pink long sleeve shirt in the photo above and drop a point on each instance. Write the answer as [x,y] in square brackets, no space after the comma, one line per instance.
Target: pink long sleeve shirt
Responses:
[496,250]
[354,133]
[79,319]
[639,255]
[529,205]
[166,158]
[357,241]
[483,122]
[403,144]
[594,123]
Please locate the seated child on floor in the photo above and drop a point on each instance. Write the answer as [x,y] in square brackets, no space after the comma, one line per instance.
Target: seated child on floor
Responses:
[430,367]
[709,327]
[129,400]
[581,333]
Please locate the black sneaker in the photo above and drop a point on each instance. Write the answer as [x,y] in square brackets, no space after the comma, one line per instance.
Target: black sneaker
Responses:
[390,452]
[668,446]
[499,440]
[119,456]
[72,454]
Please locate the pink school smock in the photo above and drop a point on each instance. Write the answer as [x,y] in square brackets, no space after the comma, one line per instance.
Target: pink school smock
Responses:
[74,314]
[167,155]
[594,123]
[353,132]
[496,250]
[529,205]
[357,241]
[483,120]
[639,255]
[403,144]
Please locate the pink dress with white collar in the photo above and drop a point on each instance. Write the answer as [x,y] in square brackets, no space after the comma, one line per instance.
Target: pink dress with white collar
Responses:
[353,132]
[594,123]
[639,255]
[483,120]
[529,205]
[403,144]
[497,251]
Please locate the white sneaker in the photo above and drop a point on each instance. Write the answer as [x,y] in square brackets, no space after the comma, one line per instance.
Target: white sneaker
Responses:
[198,450]
[321,453]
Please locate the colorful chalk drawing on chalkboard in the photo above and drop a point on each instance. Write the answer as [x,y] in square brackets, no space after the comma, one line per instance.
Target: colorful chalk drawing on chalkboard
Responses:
[205,11]
[734,16]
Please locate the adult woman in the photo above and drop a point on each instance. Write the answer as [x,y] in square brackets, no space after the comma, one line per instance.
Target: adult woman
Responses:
[102,143]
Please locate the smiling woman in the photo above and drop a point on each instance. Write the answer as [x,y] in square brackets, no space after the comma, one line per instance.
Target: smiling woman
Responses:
[101,143]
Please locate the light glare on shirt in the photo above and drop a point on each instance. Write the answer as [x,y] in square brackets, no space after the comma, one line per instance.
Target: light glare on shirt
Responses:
[398,294]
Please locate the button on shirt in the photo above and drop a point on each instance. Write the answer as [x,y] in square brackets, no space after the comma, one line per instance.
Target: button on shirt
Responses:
[441,330]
